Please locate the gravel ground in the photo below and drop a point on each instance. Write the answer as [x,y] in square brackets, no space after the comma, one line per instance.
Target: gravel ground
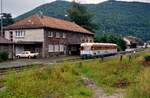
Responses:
[26,62]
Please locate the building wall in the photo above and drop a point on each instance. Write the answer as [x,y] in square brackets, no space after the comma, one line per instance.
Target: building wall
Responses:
[7,48]
[71,38]
[30,35]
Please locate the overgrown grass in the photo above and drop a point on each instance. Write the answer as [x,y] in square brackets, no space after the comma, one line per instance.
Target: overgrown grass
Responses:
[142,88]
[64,80]
[46,82]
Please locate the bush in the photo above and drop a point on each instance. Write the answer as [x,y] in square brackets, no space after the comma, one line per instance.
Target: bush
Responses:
[147,58]
[3,56]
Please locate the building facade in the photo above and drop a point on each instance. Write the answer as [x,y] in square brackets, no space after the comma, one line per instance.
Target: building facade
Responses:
[6,46]
[47,36]
[133,42]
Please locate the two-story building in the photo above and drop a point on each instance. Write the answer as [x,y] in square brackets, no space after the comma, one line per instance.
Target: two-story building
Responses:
[47,36]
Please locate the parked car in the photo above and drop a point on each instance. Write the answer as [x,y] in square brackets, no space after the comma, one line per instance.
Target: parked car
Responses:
[27,54]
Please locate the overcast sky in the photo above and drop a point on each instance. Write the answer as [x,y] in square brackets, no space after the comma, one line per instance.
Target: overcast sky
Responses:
[18,7]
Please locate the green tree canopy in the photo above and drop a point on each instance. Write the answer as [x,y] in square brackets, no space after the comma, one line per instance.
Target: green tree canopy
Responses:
[112,38]
[81,16]
[7,19]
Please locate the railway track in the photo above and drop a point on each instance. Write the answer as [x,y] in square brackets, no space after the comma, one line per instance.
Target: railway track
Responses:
[77,59]
[3,71]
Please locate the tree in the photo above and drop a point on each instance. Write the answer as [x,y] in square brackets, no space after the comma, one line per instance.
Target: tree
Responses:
[80,15]
[7,19]
[112,38]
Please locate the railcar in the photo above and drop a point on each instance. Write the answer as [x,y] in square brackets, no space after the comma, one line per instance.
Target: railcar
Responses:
[90,50]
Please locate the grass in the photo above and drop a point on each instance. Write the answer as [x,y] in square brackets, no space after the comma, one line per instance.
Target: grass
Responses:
[142,88]
[64,80]
[52,82]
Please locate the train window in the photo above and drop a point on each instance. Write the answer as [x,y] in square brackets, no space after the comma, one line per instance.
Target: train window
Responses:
[99,47]
[83,40]
[86,40]
[81,48]
[92,48]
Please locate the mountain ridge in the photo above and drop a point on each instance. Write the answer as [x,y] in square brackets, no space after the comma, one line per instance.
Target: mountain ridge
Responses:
[124,18]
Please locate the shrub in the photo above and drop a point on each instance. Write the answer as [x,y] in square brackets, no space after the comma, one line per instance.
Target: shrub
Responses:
[147,58]
[3,56]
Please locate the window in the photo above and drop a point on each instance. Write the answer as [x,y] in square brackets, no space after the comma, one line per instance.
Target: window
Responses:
[86,40]
[56,48]
[83,40]
[64,35]
[57,35]
[61,48]
[20,33]
[61,35]
[50,34]
[82,48]
[50,48]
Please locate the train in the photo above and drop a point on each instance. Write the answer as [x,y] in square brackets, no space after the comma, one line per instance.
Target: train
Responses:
[90,50]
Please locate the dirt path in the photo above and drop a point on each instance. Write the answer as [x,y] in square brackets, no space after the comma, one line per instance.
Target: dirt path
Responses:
[99,92]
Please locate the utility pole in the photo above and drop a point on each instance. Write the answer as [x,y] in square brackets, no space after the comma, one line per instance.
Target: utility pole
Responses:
[1,18]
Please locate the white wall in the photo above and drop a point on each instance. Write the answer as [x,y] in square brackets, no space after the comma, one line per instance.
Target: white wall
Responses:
[33,35]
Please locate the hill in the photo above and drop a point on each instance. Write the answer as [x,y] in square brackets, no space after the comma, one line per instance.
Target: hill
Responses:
[124,18]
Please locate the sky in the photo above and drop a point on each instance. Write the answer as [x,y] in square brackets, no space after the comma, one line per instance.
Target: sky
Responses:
[18,7]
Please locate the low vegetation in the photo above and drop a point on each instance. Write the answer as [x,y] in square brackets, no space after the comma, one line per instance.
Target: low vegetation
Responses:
[3,56]
[142,88]
[64,80]
[147,58]
[58,81]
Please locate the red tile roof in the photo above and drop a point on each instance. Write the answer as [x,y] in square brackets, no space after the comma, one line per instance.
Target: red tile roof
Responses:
[37,21]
